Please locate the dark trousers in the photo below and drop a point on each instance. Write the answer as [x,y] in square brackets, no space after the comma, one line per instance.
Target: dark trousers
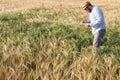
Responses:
[98,38]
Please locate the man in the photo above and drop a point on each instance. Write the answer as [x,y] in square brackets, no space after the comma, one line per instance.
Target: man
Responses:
[96,22]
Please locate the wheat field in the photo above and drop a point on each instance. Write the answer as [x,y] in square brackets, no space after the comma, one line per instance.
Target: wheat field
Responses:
[45,40]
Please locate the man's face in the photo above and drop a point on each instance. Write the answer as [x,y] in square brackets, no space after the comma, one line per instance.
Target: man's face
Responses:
[88,9]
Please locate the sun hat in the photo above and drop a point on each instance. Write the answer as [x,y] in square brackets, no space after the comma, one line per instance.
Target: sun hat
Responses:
[86,4]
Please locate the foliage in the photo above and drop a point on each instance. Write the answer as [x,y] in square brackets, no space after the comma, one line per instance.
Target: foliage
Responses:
[40,45]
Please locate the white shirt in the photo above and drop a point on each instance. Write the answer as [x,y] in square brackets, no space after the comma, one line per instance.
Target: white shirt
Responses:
[97,19]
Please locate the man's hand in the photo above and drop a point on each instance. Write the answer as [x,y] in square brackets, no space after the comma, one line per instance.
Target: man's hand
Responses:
[84,21]
[86,24]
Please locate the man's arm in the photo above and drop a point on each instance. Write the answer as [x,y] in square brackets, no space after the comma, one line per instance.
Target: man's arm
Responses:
[86,21]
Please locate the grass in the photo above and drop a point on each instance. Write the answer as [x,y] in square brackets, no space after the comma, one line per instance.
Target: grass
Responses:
[50,43]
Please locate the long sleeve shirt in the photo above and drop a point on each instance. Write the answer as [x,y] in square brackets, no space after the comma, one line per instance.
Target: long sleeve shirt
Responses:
[96,19]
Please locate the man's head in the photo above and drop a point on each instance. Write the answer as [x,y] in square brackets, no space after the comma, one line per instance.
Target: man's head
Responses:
[87,6]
